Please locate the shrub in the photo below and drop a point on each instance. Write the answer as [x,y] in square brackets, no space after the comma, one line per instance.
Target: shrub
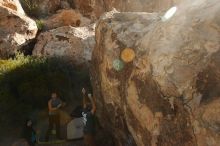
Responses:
[27,82]
[40,24]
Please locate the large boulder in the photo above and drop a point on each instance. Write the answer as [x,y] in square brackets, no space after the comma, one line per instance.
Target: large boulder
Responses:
[95,8]
[164,88]
[15,27]
[64,17]
[14,5]
[75,44]
[141,5]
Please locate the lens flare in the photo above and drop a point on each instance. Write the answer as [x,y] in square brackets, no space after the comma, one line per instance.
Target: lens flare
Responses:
[169,13]
[127,55]
[118,65]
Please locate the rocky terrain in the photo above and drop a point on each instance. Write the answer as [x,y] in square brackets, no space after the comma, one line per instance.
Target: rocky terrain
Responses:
[75,44]
[15,27]
[167,95]
[154,64]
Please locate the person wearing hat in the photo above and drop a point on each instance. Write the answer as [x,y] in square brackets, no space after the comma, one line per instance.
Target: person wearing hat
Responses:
[89,109]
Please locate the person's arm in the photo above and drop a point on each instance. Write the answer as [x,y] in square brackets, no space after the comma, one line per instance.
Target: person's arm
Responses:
[50,106]
[93,104]
[84,97]
[62,104]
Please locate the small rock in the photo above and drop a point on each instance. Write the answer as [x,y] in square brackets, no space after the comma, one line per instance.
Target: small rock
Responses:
[65,18]
[72,43]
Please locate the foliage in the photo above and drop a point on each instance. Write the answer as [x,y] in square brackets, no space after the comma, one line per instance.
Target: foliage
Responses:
[31,7]
[40,24]
[27,82]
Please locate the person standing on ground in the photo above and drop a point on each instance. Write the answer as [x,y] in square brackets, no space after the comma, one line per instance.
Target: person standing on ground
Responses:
[89,109]
[54,104]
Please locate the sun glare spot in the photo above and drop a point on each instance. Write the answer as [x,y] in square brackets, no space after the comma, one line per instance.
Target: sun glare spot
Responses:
[169,13]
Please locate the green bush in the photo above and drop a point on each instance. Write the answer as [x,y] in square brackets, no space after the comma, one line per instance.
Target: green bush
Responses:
[27,82]
[40,24]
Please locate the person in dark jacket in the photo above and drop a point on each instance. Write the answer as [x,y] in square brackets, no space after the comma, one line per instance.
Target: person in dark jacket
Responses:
[89,109]
[29,133]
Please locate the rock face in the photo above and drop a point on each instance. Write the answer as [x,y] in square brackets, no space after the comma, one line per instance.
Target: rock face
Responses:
[168,95]
[66,18]
[14,5]
[15,28]
[73,43]
[95,8]
[141,5]
[86,7]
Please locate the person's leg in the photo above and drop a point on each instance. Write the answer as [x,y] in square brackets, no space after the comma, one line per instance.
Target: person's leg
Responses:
[31,144]
[51,122]
[57,122]
[92,140]
[86,139]
[89,140]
